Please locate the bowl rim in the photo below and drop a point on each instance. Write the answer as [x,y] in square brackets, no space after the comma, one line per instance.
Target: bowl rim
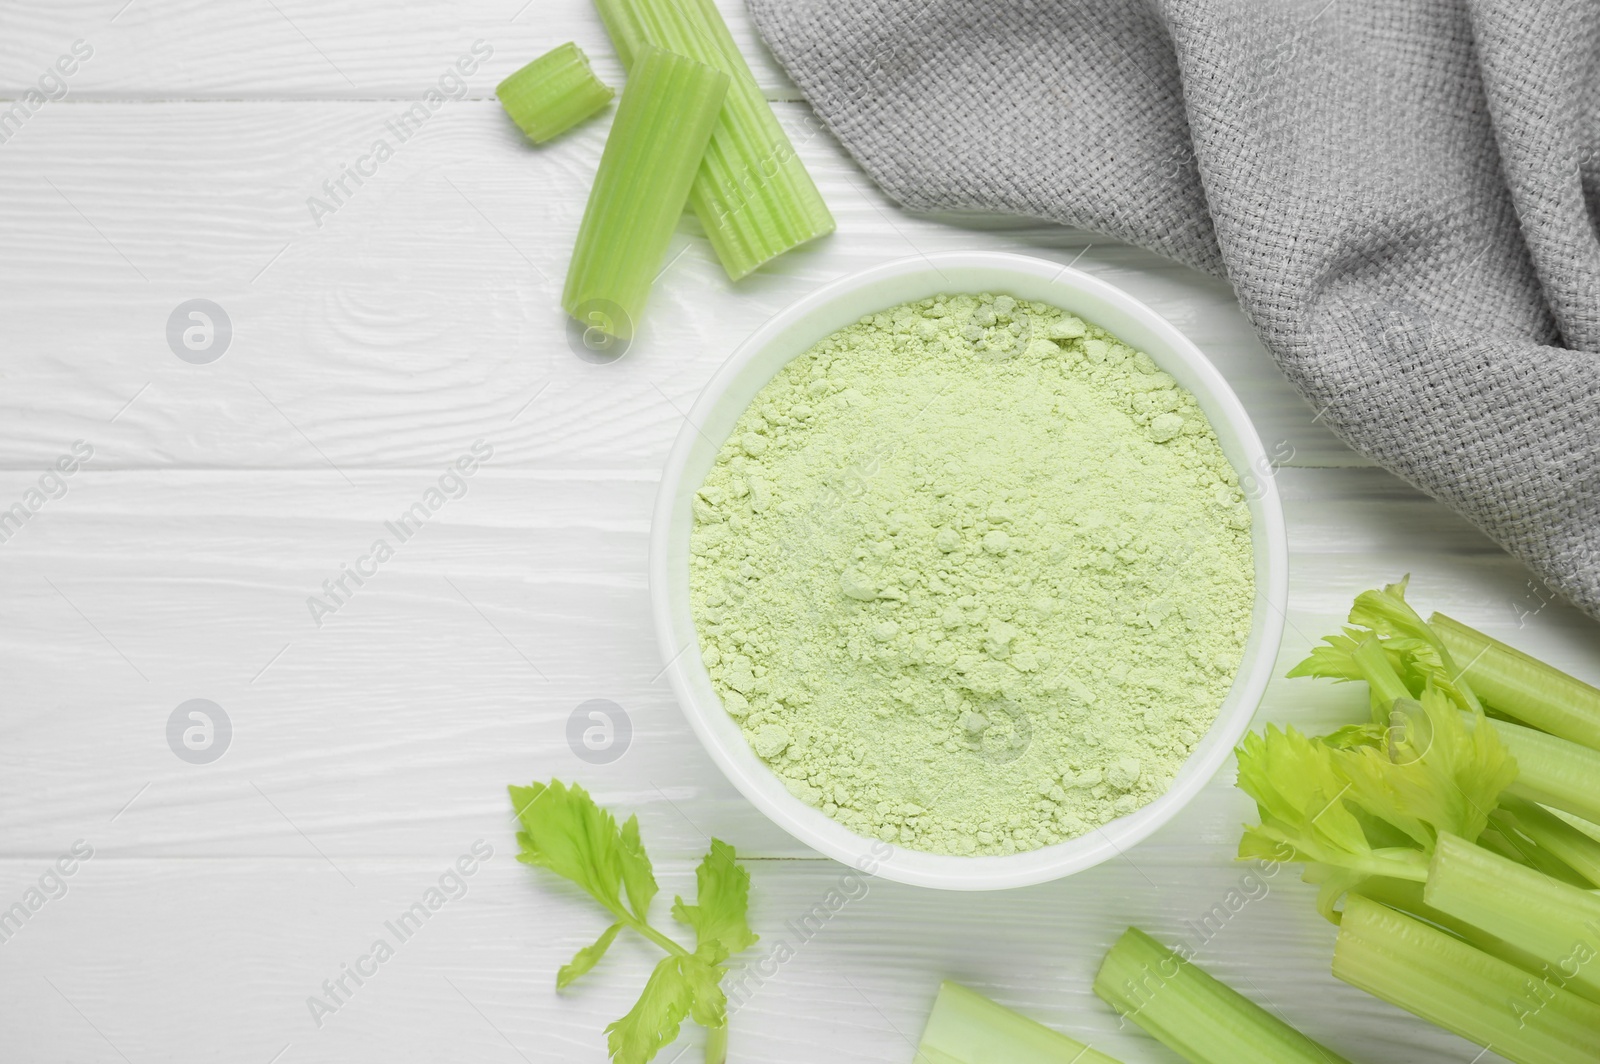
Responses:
[762,787]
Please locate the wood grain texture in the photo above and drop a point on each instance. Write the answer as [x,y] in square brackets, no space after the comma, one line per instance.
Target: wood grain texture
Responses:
[370,751]
[393,724]
[425,308]
[243,942]
[301,49]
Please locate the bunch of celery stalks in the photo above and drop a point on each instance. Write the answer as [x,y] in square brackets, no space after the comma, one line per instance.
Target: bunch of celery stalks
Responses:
[692,129]
[1454,841]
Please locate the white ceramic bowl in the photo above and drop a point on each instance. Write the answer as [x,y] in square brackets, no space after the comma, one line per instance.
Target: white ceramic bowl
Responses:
[790,333]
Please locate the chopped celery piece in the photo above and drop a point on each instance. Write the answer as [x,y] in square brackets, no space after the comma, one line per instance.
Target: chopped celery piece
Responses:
[1579,849]
[1522,687]
[752,194]
[967,1028]
[1406,896]
[668,109]
[1554,921]
[1194,1015]
[1513,846]
[1552,771]
[1449,983]
[553,93]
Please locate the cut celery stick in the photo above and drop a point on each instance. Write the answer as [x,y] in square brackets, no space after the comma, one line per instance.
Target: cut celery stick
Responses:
[967,1028]
[1498,837]
[553,93]
[1523,687]
[666,115]
[1580,850]
[622,26]
[1406,896]
[1552,771]
[752,194]
[1194,1015]
[1554,921]
[1448,983]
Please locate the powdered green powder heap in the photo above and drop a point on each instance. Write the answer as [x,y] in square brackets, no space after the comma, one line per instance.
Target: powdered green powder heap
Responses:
[973,576]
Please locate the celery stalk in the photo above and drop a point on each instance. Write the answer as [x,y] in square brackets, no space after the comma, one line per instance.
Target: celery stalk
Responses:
[1194,1015]
[668,109]
[1406,897]
[717,1044]
[553,93]
[1499,838]
[1554,921]
[1386,685]
[1523,687]
[1448,983]
[1580,850]
[1552,771]
[967,1028]
[752,194]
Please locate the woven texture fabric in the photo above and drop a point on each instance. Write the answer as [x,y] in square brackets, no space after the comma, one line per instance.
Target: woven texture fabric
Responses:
[1403,193]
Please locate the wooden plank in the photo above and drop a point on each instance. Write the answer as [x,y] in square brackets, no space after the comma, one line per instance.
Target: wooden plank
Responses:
[298,49]
[393,728]
[423,312]
[243,943]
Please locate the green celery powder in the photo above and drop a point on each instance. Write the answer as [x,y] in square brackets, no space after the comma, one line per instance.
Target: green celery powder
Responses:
[973,575]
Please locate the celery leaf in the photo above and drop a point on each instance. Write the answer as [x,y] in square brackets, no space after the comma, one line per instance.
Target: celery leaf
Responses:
[710,1005]
[1437,772]
[723,897]
[1420,653]
[1369,800]
[586,958]
[1333,659]
[637,876]
[655,1018]
[1388,613]
[1301,788]
[565,831]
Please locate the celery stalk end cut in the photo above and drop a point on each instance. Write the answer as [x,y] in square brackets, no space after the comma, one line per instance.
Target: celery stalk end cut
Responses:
[1195,1015]
[1453,985]
[668,110]
[1556,922]
[1521,686]
[752,194]
[967,1028]
[553,93]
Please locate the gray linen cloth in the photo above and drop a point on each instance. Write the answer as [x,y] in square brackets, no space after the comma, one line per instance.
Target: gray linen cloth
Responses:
[1403,194]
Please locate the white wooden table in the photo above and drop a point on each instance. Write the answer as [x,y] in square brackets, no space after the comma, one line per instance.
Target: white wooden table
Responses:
[367,754]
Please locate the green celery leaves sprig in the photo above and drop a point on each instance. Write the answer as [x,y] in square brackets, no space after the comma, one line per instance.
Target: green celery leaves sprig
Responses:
[1370,800]
[563,830]
[1382,620]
